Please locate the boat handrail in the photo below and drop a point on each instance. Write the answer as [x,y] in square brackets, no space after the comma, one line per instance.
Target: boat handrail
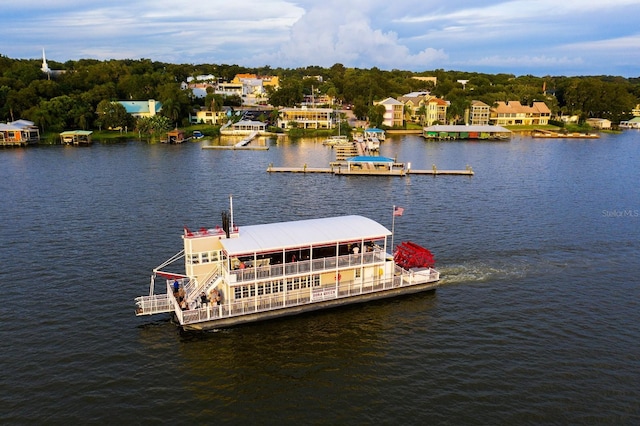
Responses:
[305,266]
[270,302]
[154,304]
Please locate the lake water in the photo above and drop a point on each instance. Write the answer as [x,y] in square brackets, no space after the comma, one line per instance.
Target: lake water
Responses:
[537,320]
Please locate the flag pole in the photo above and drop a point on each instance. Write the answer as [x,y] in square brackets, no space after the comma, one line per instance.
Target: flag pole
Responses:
[393,226]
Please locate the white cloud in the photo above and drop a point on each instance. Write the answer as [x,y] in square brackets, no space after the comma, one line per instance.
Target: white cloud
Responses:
[414,34]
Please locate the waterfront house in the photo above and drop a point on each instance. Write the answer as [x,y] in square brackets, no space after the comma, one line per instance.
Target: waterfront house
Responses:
[599,123]
[479,114]
[394,112]
[306,118]
[245,127]
[19,133]
[513,113]
[139,109]
[434,109]
[204,116]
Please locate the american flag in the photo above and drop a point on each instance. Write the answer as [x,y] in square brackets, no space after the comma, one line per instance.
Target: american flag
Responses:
[397,211]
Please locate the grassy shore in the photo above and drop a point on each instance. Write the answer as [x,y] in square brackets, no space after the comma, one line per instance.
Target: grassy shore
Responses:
[208,130]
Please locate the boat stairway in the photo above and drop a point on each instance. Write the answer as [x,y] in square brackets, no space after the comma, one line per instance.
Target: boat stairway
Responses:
[212,284]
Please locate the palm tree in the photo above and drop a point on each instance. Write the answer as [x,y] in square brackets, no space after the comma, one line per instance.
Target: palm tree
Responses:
[422,113]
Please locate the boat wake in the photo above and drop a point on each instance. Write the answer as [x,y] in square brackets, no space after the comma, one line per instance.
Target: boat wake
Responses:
[481,271]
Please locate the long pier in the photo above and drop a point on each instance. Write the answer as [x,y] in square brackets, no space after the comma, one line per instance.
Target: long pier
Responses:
[340,170]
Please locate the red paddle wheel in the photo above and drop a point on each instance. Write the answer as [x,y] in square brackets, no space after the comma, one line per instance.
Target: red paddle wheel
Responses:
[411,255]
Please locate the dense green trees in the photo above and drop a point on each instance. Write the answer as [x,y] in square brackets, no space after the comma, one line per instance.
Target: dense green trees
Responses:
[78,98]
[111,115]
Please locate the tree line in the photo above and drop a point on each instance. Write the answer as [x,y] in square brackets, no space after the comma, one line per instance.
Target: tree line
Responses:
[81,97]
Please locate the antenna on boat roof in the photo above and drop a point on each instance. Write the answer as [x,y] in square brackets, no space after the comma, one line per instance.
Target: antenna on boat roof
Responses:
[231,209]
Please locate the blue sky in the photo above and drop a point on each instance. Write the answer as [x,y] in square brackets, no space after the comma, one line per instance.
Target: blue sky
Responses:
[538,37]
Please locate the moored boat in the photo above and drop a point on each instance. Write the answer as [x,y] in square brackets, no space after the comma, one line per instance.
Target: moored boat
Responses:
[336,140]
[372,144]
[235,275]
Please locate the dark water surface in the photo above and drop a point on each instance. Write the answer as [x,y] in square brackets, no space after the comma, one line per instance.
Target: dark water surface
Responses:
[537,320]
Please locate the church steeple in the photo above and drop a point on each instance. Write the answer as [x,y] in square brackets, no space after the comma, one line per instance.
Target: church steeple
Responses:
[45,67]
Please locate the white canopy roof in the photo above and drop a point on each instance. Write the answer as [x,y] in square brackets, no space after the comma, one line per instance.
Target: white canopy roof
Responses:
[303,233]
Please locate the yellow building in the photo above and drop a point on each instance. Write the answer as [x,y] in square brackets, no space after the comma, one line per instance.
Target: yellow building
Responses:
[306,118]
[513,113]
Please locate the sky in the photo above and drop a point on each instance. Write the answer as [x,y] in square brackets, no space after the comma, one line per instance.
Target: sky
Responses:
[521,37]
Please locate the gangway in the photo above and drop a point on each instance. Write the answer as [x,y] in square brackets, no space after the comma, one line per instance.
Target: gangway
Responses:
[248,139]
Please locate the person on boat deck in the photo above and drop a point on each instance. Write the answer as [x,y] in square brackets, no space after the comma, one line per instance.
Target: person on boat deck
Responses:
[176,286]
[356,249]
[203,299]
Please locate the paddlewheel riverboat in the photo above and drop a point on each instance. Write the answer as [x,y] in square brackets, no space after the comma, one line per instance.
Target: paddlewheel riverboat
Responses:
[234,275]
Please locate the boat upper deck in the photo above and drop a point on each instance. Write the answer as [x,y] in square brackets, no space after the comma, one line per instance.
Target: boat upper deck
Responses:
[303,233]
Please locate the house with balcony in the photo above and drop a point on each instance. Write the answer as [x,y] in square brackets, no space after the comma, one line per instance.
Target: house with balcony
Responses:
[424,108]
[229,89]
[205,116]
[513,113]
[394,112]
[306,118]
[479,114]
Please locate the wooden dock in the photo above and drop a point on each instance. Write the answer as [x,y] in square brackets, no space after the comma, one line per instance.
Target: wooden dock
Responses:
[236,147]
[242,145]
[340,170]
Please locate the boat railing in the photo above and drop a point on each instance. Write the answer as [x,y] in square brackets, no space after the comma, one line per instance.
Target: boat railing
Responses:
[344,289]
[306,266]
[154,304]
